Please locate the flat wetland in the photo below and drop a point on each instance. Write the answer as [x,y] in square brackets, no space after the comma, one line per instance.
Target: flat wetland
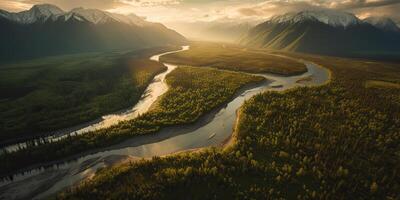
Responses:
[236,58]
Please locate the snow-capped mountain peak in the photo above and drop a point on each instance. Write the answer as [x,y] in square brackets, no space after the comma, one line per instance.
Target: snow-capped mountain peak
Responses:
[329,17]
[93,15]
[100,17]
[131,19]
[37,12]
[45,12]
[384,23]
[46,9]
[69,16]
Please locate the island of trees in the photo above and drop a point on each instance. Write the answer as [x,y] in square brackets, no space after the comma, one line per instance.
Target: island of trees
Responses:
[193,92]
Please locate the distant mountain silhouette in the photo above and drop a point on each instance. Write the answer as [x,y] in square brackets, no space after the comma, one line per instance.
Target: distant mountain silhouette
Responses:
[47,30]
[325,32]
[219,31]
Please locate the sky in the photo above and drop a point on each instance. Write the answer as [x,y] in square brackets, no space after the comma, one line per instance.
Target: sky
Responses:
[217,10]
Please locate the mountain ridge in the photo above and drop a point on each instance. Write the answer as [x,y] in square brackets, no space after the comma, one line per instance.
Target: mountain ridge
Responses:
[329,17]
[37,12]
[384,23]
[43,12]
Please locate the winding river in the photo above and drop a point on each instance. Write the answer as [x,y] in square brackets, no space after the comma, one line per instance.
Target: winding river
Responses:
[211,130]
[152,92]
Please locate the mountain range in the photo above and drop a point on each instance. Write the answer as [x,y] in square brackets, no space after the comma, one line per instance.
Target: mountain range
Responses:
[46,30]
[326,32]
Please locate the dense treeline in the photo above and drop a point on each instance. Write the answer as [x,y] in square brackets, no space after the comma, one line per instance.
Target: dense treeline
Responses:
[337,141]
[236,58]
[48,94]
[193,92]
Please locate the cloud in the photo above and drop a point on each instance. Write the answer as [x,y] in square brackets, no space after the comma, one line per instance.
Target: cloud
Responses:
[356,4]
[14,5]
[64,4]
[249,12]
[391,11]
[269,8]
[151,3]
[18,5]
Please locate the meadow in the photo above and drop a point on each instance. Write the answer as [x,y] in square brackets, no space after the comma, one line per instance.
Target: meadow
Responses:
[49,94]
[336,141]
[192,93]
[236,58]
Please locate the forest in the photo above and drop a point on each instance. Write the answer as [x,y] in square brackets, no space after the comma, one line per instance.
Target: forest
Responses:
[49,94]
[336,141]
[236,58]
[193,92]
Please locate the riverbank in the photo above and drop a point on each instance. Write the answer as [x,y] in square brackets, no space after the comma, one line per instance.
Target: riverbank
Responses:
[306,143]
[70,90]
[230,142]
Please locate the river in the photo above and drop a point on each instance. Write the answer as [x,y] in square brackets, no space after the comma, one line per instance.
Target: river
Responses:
[211,129]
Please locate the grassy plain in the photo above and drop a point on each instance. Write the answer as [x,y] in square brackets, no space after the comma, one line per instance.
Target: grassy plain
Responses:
[381,84]
[337,141]
[192,93]
[237,58]
[48,94]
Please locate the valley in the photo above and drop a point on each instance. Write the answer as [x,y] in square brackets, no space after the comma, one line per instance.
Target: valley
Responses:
[199,100]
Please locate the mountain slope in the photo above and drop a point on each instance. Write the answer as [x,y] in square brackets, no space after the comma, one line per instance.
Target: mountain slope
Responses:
[322,32]
[47,30]
[383,23]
